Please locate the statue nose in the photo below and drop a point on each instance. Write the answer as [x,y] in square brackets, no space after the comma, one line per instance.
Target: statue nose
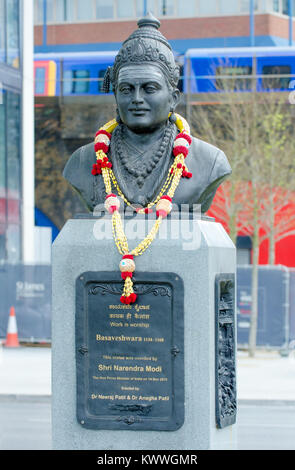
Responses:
[137,97]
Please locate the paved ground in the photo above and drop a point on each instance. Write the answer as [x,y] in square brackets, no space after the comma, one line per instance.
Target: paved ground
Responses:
[27,371]
[268,376]
[266,394]
[26,425]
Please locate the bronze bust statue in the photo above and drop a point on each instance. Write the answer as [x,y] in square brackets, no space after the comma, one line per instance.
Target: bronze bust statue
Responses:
[144,79]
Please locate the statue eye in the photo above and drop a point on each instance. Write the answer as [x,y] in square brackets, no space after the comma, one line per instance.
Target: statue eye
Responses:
[150,88]
[125,89]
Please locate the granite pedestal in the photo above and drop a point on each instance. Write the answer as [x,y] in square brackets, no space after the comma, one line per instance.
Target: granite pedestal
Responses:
[197,251]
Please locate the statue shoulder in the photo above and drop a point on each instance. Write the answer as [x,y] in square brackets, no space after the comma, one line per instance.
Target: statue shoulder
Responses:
[210,162]
[78,172]
[81,160]
[211,167]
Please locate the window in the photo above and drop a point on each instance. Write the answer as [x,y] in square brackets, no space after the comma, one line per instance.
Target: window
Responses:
[38,11]
[2,243]
[12,32]
[245,6]
[40,80]
[208,8]
[187,8]
[13,145]
[229,7]
[13,243]
[286,7]
[69,10]
[166,7]
[85,10]
[81,81]
[150,6]
[276,5]
[104,9]
[2,148]
[237,82]
[60,10]
[125,8]
[50,11]
[243,256]
[67,82]
[276,83]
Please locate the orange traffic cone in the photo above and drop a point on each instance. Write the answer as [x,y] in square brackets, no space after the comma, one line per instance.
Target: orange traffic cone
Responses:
[11,337]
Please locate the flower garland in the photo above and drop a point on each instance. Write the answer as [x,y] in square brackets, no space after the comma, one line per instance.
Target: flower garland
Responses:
[163,201]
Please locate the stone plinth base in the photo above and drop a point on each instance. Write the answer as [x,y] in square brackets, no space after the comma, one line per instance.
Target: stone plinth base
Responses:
[197,251]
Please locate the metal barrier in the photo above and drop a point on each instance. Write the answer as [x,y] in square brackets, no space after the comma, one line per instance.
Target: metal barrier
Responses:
[273,329]
[28,290]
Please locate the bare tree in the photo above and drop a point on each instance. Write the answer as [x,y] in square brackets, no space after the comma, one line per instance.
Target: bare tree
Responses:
[254,131]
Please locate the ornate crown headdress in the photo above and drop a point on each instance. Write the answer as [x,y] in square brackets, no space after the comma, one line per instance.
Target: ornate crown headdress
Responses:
[145,45]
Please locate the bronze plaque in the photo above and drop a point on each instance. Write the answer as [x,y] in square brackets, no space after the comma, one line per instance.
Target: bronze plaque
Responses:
[130,361]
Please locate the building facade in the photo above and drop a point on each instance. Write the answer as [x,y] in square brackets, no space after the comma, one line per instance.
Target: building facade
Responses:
[10,132]
[80,25]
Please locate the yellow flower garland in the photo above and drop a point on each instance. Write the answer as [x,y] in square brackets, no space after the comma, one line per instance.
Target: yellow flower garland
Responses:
[163,202]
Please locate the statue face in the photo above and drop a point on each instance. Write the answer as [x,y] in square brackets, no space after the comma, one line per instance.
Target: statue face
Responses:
[144,98]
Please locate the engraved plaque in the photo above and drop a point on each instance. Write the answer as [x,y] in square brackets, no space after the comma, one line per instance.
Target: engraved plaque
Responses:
[225,360]
[130,358]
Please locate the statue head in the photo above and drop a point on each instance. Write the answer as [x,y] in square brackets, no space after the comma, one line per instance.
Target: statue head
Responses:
[144,78]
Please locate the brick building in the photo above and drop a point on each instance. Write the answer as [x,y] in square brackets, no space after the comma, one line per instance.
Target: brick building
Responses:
[100,25]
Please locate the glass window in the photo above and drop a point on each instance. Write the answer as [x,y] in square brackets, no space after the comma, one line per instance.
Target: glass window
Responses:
[243,256]
[38,11]
[67,82]
[276,83]
[245,6]
[85,10]
[13,145]
[49,11]
[208,8]
[13,243]
[2,243]
[81,82]
[286,7]
[104,9]
[229,7]
[233,83]
[60,10]
[166,7]
[276,5]
[2,32]
[187,8]
[150,6]
[125,8]
[40,80]
[2,145]
[69,10]
[12,14]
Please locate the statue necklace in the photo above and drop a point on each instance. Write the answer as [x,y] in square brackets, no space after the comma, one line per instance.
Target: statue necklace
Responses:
[163,201]
[135,168]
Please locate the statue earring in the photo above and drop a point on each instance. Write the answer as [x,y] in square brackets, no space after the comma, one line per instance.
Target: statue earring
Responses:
[172,117]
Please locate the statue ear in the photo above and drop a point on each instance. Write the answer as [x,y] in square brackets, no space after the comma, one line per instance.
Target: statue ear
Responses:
[175,97]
